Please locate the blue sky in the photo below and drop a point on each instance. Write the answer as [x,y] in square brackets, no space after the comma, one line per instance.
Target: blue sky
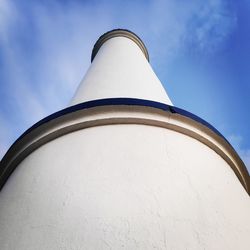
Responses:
[200,51]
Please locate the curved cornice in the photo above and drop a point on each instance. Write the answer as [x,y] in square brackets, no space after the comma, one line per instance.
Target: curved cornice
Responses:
[121,111]
[119,33]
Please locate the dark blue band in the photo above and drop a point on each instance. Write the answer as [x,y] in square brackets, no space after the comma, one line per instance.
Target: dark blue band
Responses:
[121,101]
[6,172]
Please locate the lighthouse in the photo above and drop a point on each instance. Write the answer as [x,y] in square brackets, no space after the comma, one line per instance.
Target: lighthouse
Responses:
[123,168]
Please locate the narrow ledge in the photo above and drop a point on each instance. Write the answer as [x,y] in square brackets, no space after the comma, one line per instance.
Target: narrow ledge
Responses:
[121,111]
[119,33]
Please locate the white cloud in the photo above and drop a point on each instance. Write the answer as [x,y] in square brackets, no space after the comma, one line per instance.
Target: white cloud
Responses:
[211,24]
[202,25]
[43,74]
[40,82]
[7,14]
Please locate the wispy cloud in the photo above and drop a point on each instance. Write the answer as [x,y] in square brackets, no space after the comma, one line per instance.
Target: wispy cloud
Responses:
[7,13]
[45,47]
[189,25]
[210,25]
[40,77]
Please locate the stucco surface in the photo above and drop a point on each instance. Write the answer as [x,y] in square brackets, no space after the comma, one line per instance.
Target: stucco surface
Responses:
[120,69]
[124,187]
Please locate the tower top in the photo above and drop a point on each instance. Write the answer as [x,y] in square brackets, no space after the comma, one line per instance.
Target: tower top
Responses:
[119,33]
[120,69]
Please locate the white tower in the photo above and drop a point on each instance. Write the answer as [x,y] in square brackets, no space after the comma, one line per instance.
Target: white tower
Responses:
[121,168]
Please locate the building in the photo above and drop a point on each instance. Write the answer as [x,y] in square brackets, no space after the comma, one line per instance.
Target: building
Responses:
[122,168]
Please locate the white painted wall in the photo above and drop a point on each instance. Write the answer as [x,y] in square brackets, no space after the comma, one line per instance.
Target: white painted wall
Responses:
[124,187]
[120,69]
